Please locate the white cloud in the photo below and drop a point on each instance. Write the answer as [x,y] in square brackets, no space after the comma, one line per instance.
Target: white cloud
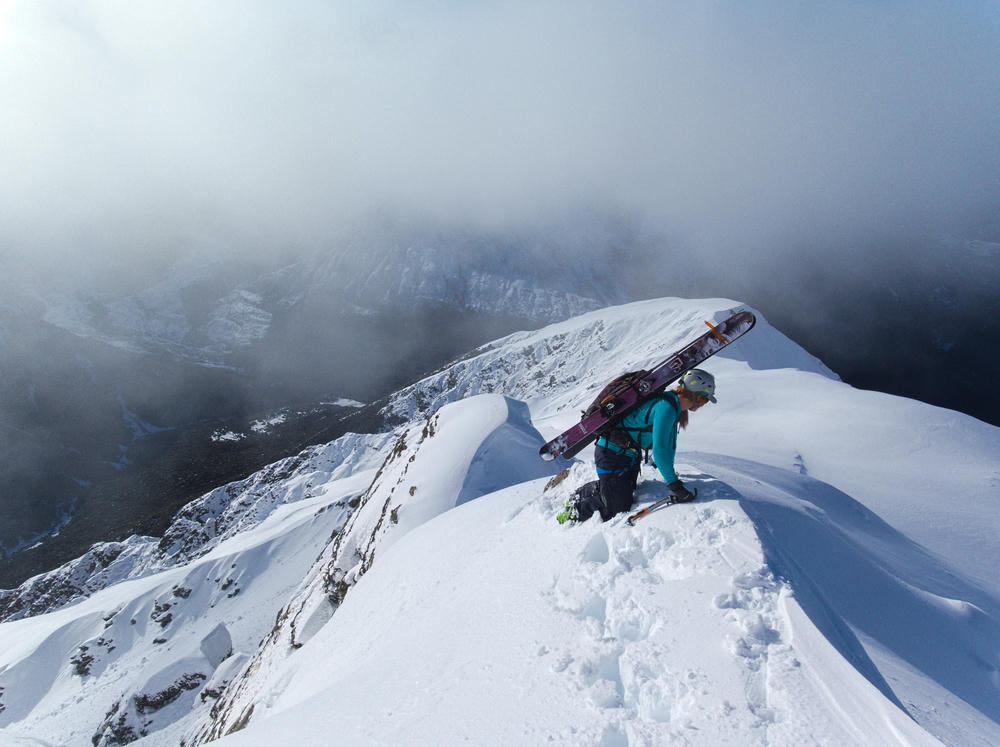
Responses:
[137,126]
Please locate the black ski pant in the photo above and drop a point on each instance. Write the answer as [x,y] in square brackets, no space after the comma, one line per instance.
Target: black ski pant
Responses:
[614,489]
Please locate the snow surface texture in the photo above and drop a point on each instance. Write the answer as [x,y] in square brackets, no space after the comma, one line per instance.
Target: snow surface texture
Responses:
[833,584]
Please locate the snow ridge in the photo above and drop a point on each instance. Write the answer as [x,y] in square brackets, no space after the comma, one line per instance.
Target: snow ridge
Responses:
[103,565]
[487,443]
[552,363]
[197,528]
[414,588]
[242,505]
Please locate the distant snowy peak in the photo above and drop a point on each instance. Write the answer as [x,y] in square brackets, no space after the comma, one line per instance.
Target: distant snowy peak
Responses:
[196,312]
[205,311]
[498,278]
[237,320]
[482,291]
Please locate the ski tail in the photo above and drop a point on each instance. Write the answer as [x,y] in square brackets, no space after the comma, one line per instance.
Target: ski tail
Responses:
[572,451]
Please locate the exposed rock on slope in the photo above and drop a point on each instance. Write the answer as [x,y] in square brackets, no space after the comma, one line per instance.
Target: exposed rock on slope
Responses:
[467,449]
[197,528]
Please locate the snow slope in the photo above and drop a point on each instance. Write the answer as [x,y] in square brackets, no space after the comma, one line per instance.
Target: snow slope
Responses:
[198,527]
[833,584]
[524,634]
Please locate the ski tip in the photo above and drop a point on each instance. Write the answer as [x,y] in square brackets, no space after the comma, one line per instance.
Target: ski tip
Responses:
[546,455]
[718,335]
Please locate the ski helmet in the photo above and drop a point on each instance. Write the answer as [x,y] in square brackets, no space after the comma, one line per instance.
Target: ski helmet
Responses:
[700,382]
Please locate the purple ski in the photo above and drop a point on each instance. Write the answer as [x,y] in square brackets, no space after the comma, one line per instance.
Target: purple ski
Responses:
[572,441]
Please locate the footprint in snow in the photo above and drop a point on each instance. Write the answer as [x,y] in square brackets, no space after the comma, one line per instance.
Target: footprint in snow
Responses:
[753,606]
[596,550]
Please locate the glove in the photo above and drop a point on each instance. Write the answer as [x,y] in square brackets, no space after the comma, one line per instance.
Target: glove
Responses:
[682,494]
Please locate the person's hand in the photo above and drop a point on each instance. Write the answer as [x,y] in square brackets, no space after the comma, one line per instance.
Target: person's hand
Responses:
[681,493]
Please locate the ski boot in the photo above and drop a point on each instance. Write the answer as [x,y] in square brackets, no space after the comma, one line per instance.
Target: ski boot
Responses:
[569,513]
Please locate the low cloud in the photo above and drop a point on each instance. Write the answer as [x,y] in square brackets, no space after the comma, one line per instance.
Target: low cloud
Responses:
[132,129]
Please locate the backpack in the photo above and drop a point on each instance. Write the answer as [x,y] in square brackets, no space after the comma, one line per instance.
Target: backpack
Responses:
[606,402]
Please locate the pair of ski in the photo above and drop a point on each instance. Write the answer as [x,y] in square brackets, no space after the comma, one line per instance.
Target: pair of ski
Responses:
[572,441]
[656,380]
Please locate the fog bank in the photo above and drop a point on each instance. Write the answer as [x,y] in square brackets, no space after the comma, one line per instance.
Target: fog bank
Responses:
[133,129]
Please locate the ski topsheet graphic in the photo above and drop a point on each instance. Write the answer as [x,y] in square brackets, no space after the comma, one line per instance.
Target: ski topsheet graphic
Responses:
[619,403]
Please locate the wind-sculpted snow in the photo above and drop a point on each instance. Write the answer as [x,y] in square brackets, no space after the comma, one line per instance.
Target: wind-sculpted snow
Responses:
[464,451]
[859,579]
[528,633]
[198,527]
[551,366]
[834,583]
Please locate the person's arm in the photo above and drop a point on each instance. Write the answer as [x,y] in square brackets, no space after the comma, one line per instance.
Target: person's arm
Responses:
[665,414]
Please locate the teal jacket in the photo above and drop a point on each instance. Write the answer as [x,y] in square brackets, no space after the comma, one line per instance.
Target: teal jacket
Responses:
[653,425]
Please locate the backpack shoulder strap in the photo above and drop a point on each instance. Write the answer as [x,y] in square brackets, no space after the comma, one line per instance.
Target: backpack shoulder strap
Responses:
[647,427]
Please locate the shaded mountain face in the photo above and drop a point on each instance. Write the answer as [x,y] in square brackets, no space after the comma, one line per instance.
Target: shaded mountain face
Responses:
[87,427]
[919,326]
[206,310]
[911,317]
[111,398]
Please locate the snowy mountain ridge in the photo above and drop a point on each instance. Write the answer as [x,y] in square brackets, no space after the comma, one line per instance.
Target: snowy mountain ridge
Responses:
[196,529]
[553,364]
[818,590]
[205,311]
[547,361]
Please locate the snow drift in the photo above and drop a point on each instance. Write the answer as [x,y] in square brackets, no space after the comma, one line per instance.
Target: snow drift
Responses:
[834,582]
